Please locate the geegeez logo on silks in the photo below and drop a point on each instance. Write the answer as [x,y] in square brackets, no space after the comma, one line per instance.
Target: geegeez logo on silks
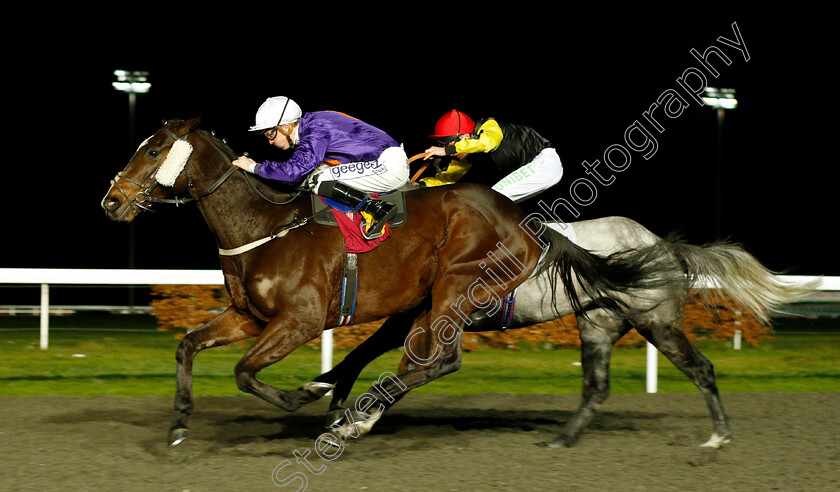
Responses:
[365,168]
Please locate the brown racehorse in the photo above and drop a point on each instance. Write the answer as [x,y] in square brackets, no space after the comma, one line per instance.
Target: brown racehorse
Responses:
[462,248]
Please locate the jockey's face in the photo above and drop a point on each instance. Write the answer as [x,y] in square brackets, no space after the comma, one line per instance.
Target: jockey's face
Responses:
[452,140]
[279,137]
[443,142]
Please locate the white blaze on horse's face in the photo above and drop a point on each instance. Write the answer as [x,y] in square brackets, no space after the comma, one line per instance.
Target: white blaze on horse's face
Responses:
[142,144]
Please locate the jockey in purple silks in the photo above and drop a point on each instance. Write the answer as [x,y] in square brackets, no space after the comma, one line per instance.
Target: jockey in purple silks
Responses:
[335,156]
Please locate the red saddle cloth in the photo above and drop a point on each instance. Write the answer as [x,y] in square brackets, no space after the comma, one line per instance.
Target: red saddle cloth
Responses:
[350,227]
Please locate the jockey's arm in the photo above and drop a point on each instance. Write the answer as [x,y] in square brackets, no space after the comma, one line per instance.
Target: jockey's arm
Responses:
[306,158]
[489,138]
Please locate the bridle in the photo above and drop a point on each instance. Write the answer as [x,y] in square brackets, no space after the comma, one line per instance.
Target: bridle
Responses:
[142,199]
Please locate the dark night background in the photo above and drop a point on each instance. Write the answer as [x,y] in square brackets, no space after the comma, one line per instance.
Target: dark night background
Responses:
[580,80]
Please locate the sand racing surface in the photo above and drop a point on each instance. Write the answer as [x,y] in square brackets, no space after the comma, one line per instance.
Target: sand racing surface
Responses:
[781,441]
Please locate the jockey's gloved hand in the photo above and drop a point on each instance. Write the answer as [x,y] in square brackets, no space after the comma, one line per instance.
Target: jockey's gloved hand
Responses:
[310,182]
[441,164]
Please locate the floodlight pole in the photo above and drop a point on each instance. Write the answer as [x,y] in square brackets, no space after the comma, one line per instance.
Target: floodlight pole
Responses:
[132,233]
[721,100]
[719,177]
[132,83]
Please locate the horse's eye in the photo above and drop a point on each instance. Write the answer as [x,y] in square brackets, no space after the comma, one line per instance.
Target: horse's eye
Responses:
[152,152]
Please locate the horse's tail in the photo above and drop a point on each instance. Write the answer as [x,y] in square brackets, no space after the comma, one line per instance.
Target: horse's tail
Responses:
[594,281]
[728,267]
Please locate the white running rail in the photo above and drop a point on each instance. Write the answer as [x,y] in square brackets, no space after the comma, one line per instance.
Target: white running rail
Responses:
[70,276]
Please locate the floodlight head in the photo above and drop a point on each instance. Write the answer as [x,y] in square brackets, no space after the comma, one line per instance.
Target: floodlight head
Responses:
[720,98]
[131,81]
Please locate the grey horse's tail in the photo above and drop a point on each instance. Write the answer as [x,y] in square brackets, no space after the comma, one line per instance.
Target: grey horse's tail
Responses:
[729,268]
[610,282]
[619,280]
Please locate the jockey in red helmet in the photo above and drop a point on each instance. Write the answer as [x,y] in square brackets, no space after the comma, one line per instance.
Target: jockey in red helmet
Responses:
[514,159]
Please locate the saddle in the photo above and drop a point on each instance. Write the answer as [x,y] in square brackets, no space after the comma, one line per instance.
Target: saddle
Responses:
[396,197]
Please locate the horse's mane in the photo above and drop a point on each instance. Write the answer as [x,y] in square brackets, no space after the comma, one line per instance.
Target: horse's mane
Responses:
[222,143]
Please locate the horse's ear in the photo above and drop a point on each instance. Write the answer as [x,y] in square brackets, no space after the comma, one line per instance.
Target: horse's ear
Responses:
[192,124]
[182,128]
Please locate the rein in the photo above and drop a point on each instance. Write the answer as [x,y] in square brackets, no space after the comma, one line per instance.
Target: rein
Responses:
[422,168]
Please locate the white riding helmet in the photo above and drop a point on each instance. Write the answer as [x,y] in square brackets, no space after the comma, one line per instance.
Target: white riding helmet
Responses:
[276,111]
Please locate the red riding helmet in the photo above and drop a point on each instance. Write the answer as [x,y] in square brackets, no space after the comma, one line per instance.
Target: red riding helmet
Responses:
[453,123]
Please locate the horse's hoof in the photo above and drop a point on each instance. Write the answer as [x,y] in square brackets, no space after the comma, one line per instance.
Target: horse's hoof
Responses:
[176,436]
[335,439]
[352,423]
[716,441]
[560,442]
[317,388]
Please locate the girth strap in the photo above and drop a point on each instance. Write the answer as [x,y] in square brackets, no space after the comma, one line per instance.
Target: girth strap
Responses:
[348,290]
[507,310]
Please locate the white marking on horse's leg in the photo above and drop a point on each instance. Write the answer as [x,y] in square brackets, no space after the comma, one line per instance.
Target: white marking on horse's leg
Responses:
[365,426]
[355,428]
[715,441]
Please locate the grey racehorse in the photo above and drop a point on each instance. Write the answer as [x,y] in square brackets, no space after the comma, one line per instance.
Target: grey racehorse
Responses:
[656,314]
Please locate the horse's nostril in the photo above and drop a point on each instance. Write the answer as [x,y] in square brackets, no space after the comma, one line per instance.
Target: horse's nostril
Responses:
[110,203]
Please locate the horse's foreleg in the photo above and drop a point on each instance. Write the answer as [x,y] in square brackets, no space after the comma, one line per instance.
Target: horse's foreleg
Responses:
[669,338]
[597,338]
[226,328]
[280,337]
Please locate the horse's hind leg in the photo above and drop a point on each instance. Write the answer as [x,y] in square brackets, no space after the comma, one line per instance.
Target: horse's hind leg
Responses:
[666,334]
[597,335]
[389,336]
[430,354]
[462,283]
[226,328]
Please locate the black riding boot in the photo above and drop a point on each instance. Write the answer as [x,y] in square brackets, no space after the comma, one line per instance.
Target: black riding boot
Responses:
[381,211]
